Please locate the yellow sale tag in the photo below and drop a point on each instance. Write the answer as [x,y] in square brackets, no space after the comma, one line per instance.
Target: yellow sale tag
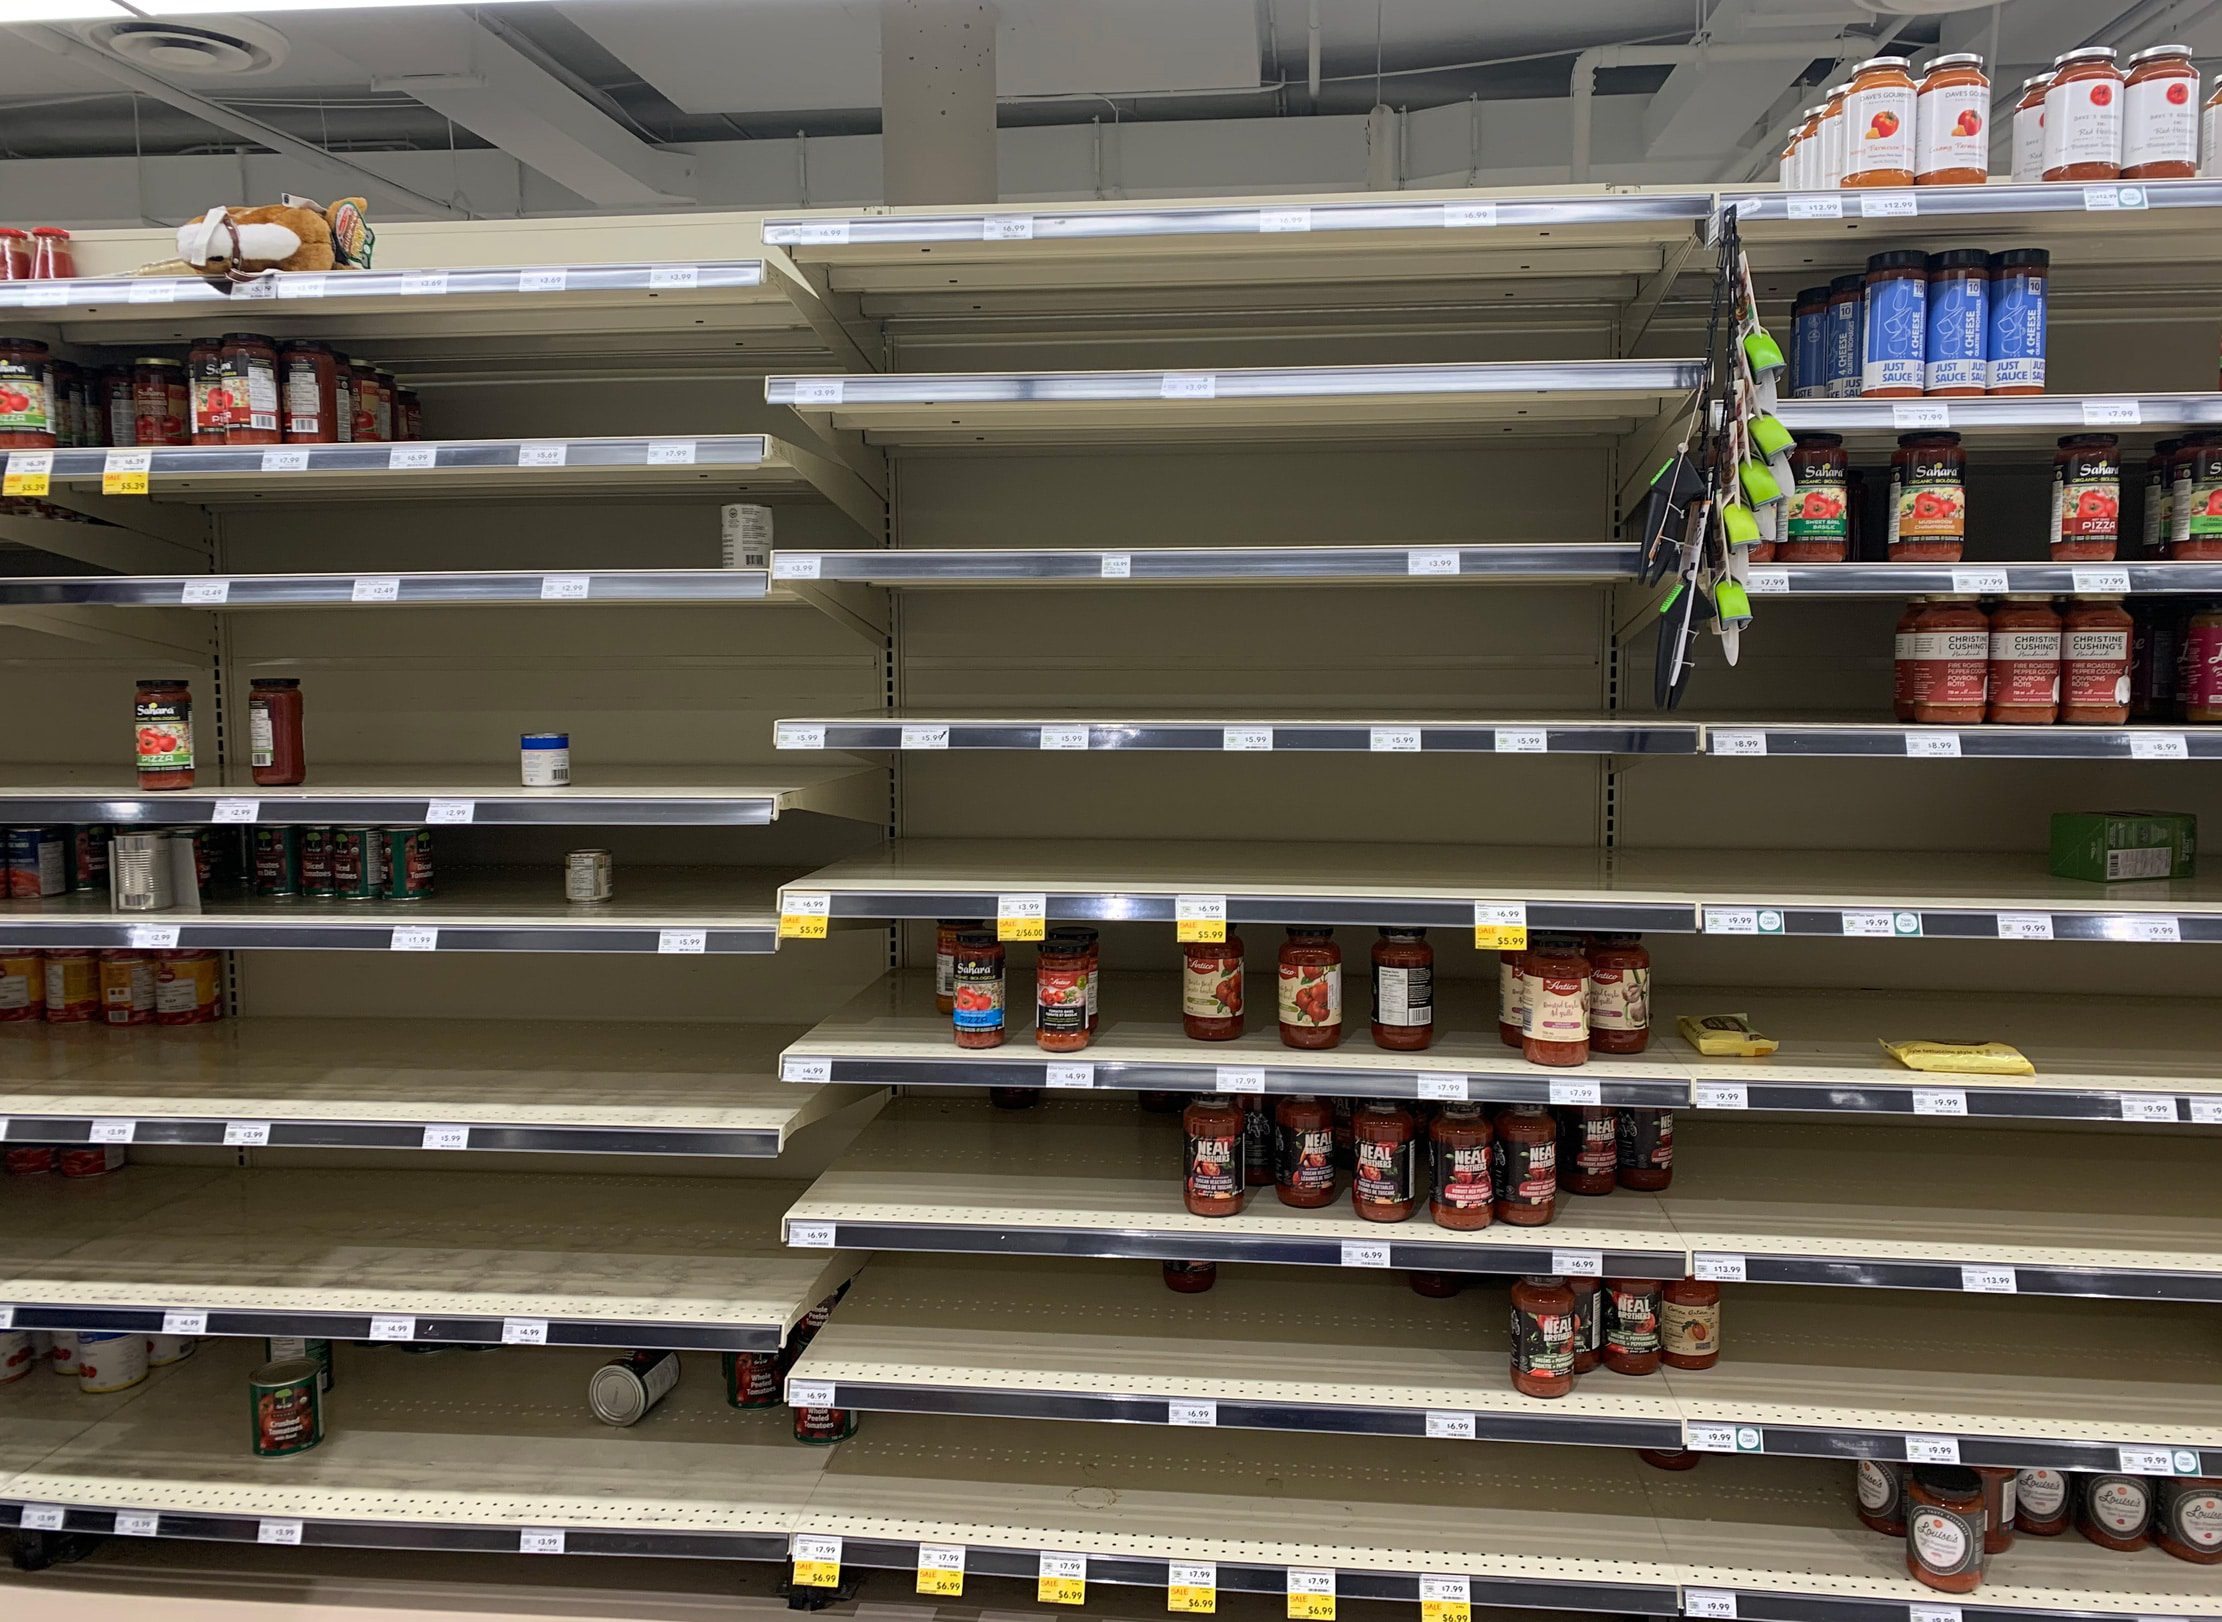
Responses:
[1500,937]
[1311,1608]
[1061,1590]
[1446,1610]
[940,1584]
[803,926]
[1019,929]
[1181,1597]
[123,484]
[27,475]
[818,1573]
[1209,930]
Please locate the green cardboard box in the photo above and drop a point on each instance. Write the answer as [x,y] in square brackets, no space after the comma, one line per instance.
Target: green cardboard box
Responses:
[2108,846]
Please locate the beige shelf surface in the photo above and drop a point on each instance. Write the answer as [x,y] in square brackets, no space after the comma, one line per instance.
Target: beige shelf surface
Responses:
[677,1250]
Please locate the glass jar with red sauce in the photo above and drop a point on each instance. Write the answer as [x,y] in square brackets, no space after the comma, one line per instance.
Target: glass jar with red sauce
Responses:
[162,719]
[2195,504]
[2086,498]
[1879,119]
[1435,1286]
[408,416]
[2160,115]
[365,379]
[1588,1148]
[117,411]
[1998,1508]
[2199,669]
[249,395]
[1619,995]
[2083,116]
[1881,1501]
[2159,486]
[2115,1511]
[157,386]
[1906,650]
[2024,674]
[1061,996]
[1085,941]
[1928,499]
[1589,1323]
[1213,1162]
[1384,1186]
[207,394]
[1462,1185]
[1944,1528]
[1512,999]
[2094,662]
[1257,1140]
[1190,1278]
[26,396]
[2029,129]
[1646,1149]
[1211,989]
[946,931]
[1310,989]
[2044,1502]
[274,731]
[1555,993]
[389,404]
[65,386]
[2187,1520]
[1690,1323]
[1526,1164]
[977,1010]
[1820,526]
[15,254]
[1951,667]
[343,397]
[1631,1309]
[52,259]
[309,375]
[1952,116]
[1403,990]
[1542,1337]
[1304,1151]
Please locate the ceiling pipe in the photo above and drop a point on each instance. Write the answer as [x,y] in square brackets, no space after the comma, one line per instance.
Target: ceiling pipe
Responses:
[1582,92]
[1311,54]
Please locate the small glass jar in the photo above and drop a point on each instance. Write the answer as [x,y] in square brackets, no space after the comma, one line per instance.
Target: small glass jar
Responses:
[1835,140]
[1619,995]
[1907,651]
[1928,499]
[1555,993]
[2094,662]
[1061,996]
[1512,999]
[2160,115]
[1542,1337]
[1189,1278]
[1211,989]
[162,719]
[310,380]
[1525,1163]
[52,259]
[1951,669]
[2044,1502]
[1820,525]
[2195,503]
[250,390]
[978,1012]
[27,415]
[2024,674]
[1881,1504]
[2086,498]
[1384,1186]
[1085,941]
[1631,1308]
[1879,124]
[1310,985]
[1304,1151]
[2029,129]
[1646,1149]
[1952,123]
[1214,1174]
[946,933]
[15,254]
[1690,1324]
[207,393]
[156,387]
[1944,1528]
[274,731]
[1403,991]
[1462,1193]
[2083,116]
[1998,1507]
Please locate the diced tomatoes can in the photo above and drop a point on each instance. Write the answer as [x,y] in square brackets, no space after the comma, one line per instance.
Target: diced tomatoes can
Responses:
[22,984]
[126,988]
[188,988]
[72,986]
[287,1416]
[751,1379]
[277,861]
[359,864]
[316,862]
[90,1160]
[408,863]
[589,875]
[291,1348]
[110,1361]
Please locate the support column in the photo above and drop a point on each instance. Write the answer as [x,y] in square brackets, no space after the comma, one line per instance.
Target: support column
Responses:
[937,99]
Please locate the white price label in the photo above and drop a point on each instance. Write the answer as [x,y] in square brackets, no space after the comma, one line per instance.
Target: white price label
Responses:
[1021,917]
[1825,206]
[1063,737]
[1703,1436]
[1442,1084]
[2147,1461]
[1061,1076]
[1394,740]
[2100,580]
[808,233]
[1450,1425]
[1920,414]
[185,1323]
[153,937]
[418,939]
[798,735]
[445,1137]
[1284,219]
[546,453]
[386,1328]
[2167,930]
[1989,1281]
[1884,924]
[1064,1565]
[285,461]
[1231,1078]
[44,295]
[1926,1449]
[376,589]
[246,1134]
[1888,205]
[941,1569]
[1245,738]
[296,284]
[2025,926]
[922,735]
[819,391]
[794,1067]
[670,276]
[797,566]
[150,290]
[1720,1095]
[1502,918]
[1717,1604]
[1979,582]
[1118,565]
[1735,743]
[1939,1101]
[413,456]
[1192,1413]
[1575,1092]
[1301,1581]
[1721,1267]
[1007,228]
[811,1394]
[1731,920]
[1431,560]
[810,1235]
[2106,199]
[2159,746]
[237,811]
[1365,1253]
[1446,1590]
[670,453]
[548,279]
[286,1532]
[450,811]
[1578,1263]
[1188,386]
[1461,216]
[1522,740]
[684,942]
[524,1331]
[114,1131]
[1932,746]
[42,1517]
[2207,1111]
[1932,1613]
[2148,1109]
[7,1317]
[1767,582]
[423,283]
[540,1540]
[132,1524]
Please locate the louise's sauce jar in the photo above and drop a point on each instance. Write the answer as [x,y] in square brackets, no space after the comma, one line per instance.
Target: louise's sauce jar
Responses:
[1555,995]
[2083,116]
[1384,1181]
[1211,990]
[1820,517]
[1213,1178]
[2044,1502]
[1928,499]
[2160,115]
[1951,664]
[2024,676]
[1310,986]
[1542,1337]
[1998,1508]
[1526,1164]
[1944,1528]
[1881,1503]
[1403,990]
[2187,1521]
[2115,1511]
[1879,124]
[1952,123]
[1304,1151]
[1460,1186]
[2094,662]
[2086,498]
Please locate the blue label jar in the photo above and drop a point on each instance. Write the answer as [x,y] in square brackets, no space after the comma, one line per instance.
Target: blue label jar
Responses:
[1897,324]
[1844,338]
[1959,321]
[1809,344]
[2014,357]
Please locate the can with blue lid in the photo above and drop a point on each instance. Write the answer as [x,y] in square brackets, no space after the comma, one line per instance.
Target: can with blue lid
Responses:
[546,758]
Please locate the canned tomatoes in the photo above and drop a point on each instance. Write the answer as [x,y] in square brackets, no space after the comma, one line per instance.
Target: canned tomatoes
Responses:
[288,1408]
[820,1426]
[72,986]
[408,862]
[22,984]
[622,1390]
[589,875]
[16,1356]
[316,862]
[163,1350]
[89,1160]
[294,1349]
[31,1159]
[186,988]
[358,864]
[37,862]
[61,1353]
[277,861]
[751,1379]
[126,988]
[110,1362]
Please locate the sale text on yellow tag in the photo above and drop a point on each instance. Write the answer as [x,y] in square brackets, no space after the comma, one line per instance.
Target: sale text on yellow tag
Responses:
[1500,926]
[1446,1599]
[941,1570]
[1311,1596]
[1192,1588]
[1200,918]
[27,473]
[817,1561]
[1021,917]
[124,473]
[1063,1580]
[804,917]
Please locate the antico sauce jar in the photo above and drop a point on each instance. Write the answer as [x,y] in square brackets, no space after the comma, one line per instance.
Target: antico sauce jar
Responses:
[1555,994]
[1403,990]
[1310,986]
[1619,996]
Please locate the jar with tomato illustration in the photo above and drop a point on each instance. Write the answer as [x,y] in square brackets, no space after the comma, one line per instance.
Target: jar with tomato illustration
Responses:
[1310,1001]
[1214,1175]
[1906,649]
[1512,999]
[2024,674]
[1384,1186]
[1525,1154]
[309,379]
[2083,116]
[1542,1337]
[2094,662]
[1646,1149]
[977,1018]
[1955,355]
[2086,498]
[2029,129]
[274,716]
[1820,522]
[1061,996]
[2044,1502]
[1462,1192]
[249,395]
[2199,669]
[2195,511]
[1879,124]
[363,379]
[1631,1308]
[1950,678]
[1690,1323]
[946,932]
[2160,115]
[1928,499]
[1619,995]
[162,719]
[2187,1521]
[27,416]
[1998,1507]
[1403,990]
[51,257]
[1589,1323]
[1555,994]
[1190,1278]
[1588,1148]
[1304,1151]
[1952,123]
[1944,1528]
[208,397]
[1211,989]
[156,387]
[2115,1511]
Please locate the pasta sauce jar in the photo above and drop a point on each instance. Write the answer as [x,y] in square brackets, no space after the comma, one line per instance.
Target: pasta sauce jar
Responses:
[250,390]
[2160,115]
[1211,989]
[1525,1160]
[977,1018]
[2083,116]
[1588,1148]
[1403,990]
[310,381]
[1952,114]
[2029,129]
[1893,358]
[2094,662]
[2024,675]
[1928,499]
[2199,666]
[1542,1337]
[1310,1002]
[946,933]
[1881,1488]
[1382,1185]
[1214,1182]
[2187,1522]
[274,731]
[2014,353]
[1690,1324]
[2115,1511]
[1631,1307]
[1619,995]
[1879,124]
[1953,363]
[1461,1185]
[2044,1502]
[1304,1151]
[2195,505]
[1062,994]
[1555,995]
[2086,498]
[1998,1508]
[1906,651]
[1820,516]
[162,720]
[1950,678]
[1944,1528]
[26,396]
[1646,1149]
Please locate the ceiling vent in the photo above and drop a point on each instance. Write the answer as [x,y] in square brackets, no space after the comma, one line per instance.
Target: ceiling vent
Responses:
[185,51]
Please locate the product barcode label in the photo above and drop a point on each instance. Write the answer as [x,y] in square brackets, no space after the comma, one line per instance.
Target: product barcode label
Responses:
[1311,1596]
[44,295]
[670,453]
[1575,1092]
[152,937]
[1717,1604]
[2169,930]
[2147,1461]
[29,473]
[1920,414]
[1237,1078]
[925,735]
[185,1323]
[1188,386]
[423,283]
[2207,1111]
[1932,746]
[1922,1449]
[1431,560]
[1979,581]
[684,942]
[2105,199]
[291,285]
[114,1131]
[556,453]
[1522,740]
[1500,926]
[524,1331]
[817,1560]
[1365,1253]
[1117,565]
[1721,1095]
[1063,737]
[236,811]
[804,916]
[445,1137]
[2100,580]
[387,1328]
[793,1067]
[1888,205]
[1062,1579]
[1244,738]
[941,1569]
[2148,1109]
[810,1235]
[1701,1436]
[1737,921]
[1721,1267]
[1939,1101]
[1442,1084]
[1191,1587]
[1205,1414]
[547,279]
[376,589]
[1007,228]
[1989,1281]
[2025,926]
[1450,1425]
[1284,219]
[285,461]
[413,456]
[287,1532]
[1394,740]
[1578,1263]
[138,1524]
[1823,207]
[1200,918]
[1060,1076]
[540,1540]
[415,940]
[1766,582]
[450,811]
[1021,917]
[2159,746]
[1735,743]
[246,1134]
[1461,216]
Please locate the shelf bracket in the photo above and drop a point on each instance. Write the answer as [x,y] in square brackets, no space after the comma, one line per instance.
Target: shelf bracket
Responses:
[176,632]
[1645,307]
[854,495]
[842,445]
[829,314]
[861,609]
[104,546]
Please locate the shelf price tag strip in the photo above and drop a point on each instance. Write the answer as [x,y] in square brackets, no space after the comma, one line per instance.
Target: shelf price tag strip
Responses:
[817,1560]
[1021,917]
[1311,1595]
[1200,918]
[941,1569]
[1062,1579]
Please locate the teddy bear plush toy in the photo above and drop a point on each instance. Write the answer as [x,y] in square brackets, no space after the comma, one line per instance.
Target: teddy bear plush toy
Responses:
[293,235]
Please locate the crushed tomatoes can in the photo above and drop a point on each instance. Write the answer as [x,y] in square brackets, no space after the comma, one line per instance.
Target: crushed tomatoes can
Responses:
[408,863]
[295,1349]
[288,1408]
[751,1379]
[31,1159]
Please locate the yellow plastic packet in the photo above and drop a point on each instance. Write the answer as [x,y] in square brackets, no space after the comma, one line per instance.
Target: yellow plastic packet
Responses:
[1724,1036]
[1962,1058]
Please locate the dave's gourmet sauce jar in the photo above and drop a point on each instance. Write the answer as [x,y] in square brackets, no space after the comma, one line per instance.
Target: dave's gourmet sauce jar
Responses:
[2083,116]
[2160,116]
[1879,123]
[1952,123]
[2029,129]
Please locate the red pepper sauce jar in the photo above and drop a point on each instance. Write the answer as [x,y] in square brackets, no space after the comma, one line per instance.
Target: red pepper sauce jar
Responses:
[1311,989]
[162,721]
[2195,507]
[1951,666]
[1589,1323]
[1882,1497]
[2115,1511]
[1944,1528]
[1190,1278]
[52,259]
[310,379]
[1619,995]
[1555,992]
[1061,997]
[2044,1502]
[250,390]
[1403,990]
[1462,1192]
[2160,115]
[1512,999]
[1588,1148]
[366,402]
[207,392]
[27,415]
[2083,116]
[2094,662]
[1646,1149]
[1078,938]
[2086,498]
[946,932]
[274,731]
[1542,1337]
[977,1015]
[1998,1508]
[1690,1324]
[2024,675]
[1820,526]
[1928,499]
[1384,1183]
[1906,648]
[1211,990]
[1214,1183]
[1304,1151]
[2187,1522]
[1526,1163]
[1631,1308]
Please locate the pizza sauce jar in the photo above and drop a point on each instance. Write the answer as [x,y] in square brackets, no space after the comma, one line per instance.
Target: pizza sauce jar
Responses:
[978,1014]
[2195,505]
[26,396]
[1383,1184]
[310,373]
[1555,994]
[1512,999]
[1211,990]
[2044,1503]
[2160,116]
[1631,1309]
[1951,120]
[274,730]
[2086,498]
[1959,323]
[1212,1175]
[1894,356]
[162,718]
[1588,1148]
[2024,675]
[1690,1324]
[1619,995]
[2029,129]
[1879,124]
[2014,354]
[1882,1497]
[250,390]
[2094,662]
[1950,679]
[2083,116]
[1944,1528]
[2187,1522]
[1061,996]
[1928,499]
[1589,1323]
[1542,1337]
[1646,1149]
[946,932]
[2115,1511]
[1304,1151]
[1310,989]
[1403,990]
[1525,1156]
[1820,516]
[1905,648]
[208,413]
[1461,1191]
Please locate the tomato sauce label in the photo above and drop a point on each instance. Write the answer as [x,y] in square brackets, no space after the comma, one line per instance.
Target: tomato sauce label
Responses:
[1953,123]
[2121,1505]
[1215,1167]
[1512,992]
[1822,510]
[2201,671]
[2160,122]
[1690,1331]
[1542,1343]
[2096,667]
[979,994]
[2197,510]
[1620,1000]
[1953,666]
[165,729]
[1558,1008]
[1463,1176]
[1589,1321]
[1211,988]
[1932,502]
[1304,1158]
[1881,1487]
[1311,994]
[1383,1174]
[1403,997]
[1646,1139]
[1632,1318]
[752,1380]
[2192,1514]
[26,406]
[2025,667]
[1527,1173]
[2083,123]
[1945,1541]
[2042,1493]
[1588,1141]
[2087,497]
[1061,1001]
[1879,129]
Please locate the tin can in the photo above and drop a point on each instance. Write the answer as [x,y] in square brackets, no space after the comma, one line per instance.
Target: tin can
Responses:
[89,1160]
[820,1426]
[72,986]
[316,862]
[139,872]
[288,1411]
[110,1362]
[751,1379]
[37,863]
[408,857]
[295,1349]
[22,984]
[126,988]
[61,1353]
[188,988]
[622,1390]
[31,1159]
[277,861]
[358,864]
[545,759]
[16,1355]
[89,856]
[589,875]
[163,1350]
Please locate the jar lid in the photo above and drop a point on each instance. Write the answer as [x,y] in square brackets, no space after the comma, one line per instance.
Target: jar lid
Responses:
[249,338]
[1884,63]
[1826,442]
[1814,295]
[2089,53]
[976,937]
[1310,931]
[48,231]
[1403,934]
[959,923]
[2033,83]
[13,231]
[1948,1480]
[1897,259]
[1075,933]
[2089,439]
[2029,596]
[1964,59]
[2167,447]
[275,681]
[306,343]
[1960,259]
[1927,436]
[2022,259]
[616,1395]
[157,360]
[165,681]
[1837,91]
[1546,1281]
[2160,52]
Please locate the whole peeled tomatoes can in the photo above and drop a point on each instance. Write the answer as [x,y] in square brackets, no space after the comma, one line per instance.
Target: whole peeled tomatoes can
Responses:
[751,1379]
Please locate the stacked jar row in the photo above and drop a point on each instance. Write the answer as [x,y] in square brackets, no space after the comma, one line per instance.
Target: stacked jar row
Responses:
[1476,1170]
[119,986]
[2029,661]
[1956,324]
[1954,1518]
[1564,1327]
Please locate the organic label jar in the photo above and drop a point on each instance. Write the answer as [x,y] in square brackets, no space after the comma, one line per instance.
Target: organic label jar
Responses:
[26,396]
[2024,676]
[2014,355]
[2195,504]
[1213,1173]
[1310,1001]
[2083,116]
[1461,1177]
[1211,989]
[2086,498]
[1893,362]
[1944,1528]
[1525,1157]
[2029,129]
[946,933]
[1928,499]
[1879,124]
[1384,1182]
[1820,516]
[1555,994]
[1959,323]
[1403,990]
[1304,1151]
[1542,1337]
[1834,144]
[1952,123]
[1951,663]
[162,719]
[1619,995]
[978,1015]
[2160,118]
[2094,662]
